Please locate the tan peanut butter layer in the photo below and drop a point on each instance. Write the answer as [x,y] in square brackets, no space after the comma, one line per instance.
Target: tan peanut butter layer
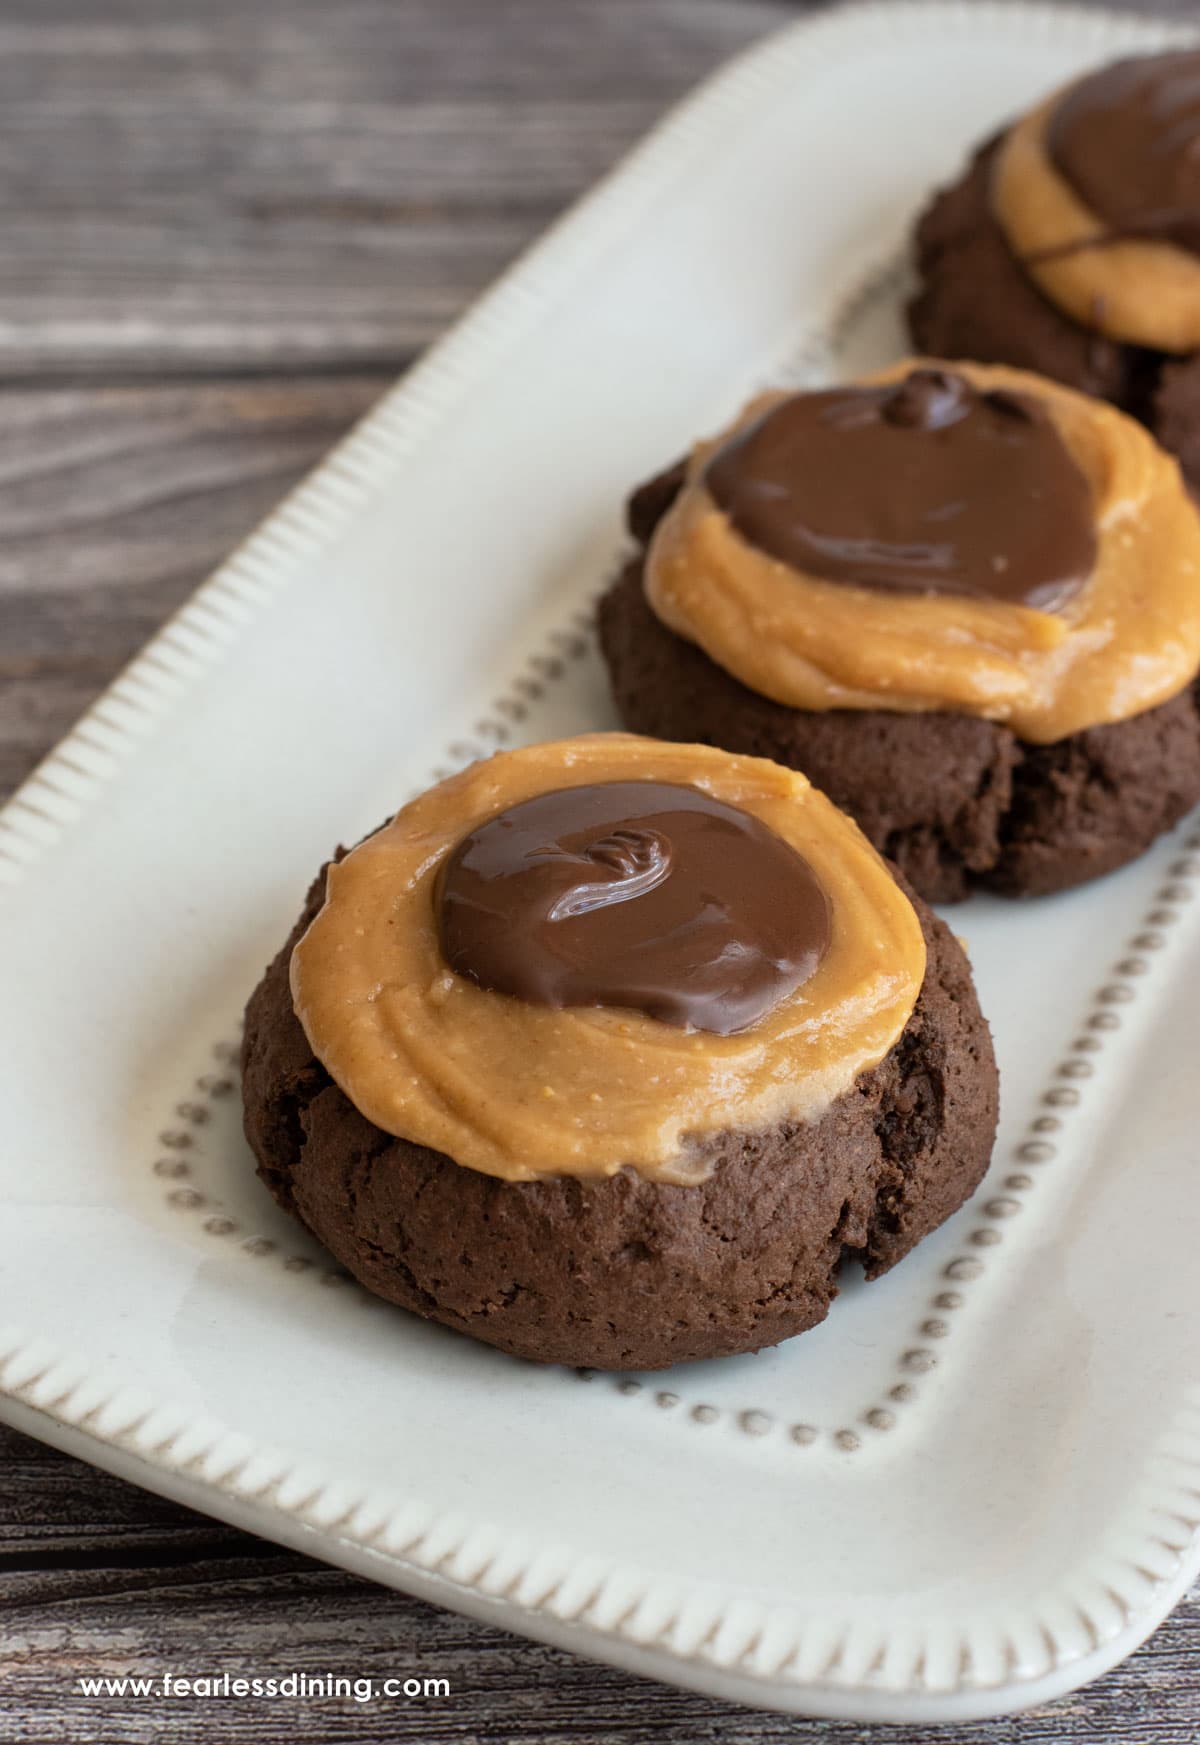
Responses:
[521,1089]
[1120,639]
[1129,136]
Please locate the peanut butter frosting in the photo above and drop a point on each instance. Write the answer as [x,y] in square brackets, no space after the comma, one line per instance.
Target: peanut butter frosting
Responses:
[522,1084]
[1114,627]
[1098,193]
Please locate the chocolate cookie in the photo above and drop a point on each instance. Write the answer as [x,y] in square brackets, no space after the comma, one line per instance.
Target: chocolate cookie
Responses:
[623,1272]
[955,801]
[975,301]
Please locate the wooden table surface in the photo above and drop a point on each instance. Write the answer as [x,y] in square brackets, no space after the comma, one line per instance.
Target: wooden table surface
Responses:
[228,226]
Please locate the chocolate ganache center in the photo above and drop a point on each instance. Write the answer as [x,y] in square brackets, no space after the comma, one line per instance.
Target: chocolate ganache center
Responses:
[639,894]
[1128,141]
[924,486]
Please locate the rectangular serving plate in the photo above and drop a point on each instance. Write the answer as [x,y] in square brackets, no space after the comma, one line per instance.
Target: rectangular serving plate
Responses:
[978,1484]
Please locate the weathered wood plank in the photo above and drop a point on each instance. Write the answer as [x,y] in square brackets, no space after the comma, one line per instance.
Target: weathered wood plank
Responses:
[286,184]
[114,503]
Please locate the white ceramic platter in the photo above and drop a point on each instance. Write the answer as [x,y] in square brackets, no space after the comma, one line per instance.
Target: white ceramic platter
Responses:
[978,1484]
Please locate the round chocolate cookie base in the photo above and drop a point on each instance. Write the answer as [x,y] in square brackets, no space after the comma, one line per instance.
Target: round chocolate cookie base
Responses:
[622,1272]
[955,802]
[975,301]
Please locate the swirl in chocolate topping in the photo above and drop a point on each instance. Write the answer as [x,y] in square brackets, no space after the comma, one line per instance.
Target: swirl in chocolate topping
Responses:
[924,486]
[1127,139]
[637,894]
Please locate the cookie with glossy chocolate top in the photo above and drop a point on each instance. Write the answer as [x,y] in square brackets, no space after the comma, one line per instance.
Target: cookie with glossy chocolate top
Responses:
[956,802]
[621,1272]
[639,894]
[975,301]
[558,1057]
[927,485]
[1125,139]
[1007,548]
